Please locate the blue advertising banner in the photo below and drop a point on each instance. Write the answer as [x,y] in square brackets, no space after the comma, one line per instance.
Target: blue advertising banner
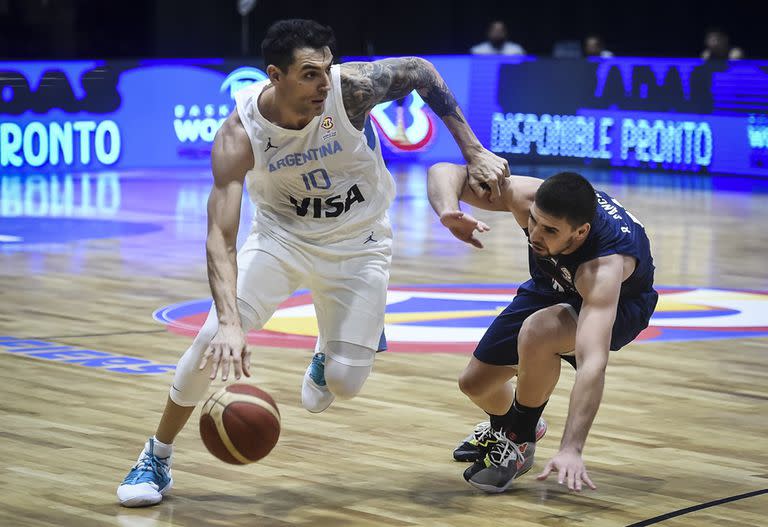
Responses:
[682,115]
[80,115]
[672,114]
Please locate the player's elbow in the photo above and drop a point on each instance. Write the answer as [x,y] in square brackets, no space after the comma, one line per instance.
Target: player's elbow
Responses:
[418,63]
[424,71]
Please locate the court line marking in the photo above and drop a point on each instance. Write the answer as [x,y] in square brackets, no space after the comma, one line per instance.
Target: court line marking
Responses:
[680,512]
[96,335]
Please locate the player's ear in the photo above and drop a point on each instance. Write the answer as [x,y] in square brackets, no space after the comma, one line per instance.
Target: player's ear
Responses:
[274,73]
[583,231]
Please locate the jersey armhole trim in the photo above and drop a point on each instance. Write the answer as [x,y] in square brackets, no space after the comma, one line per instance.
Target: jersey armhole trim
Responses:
[240,102]
[339,101]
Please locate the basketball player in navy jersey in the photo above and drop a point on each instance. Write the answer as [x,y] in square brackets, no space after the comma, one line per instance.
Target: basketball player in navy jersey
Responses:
[303,144]
[591,291]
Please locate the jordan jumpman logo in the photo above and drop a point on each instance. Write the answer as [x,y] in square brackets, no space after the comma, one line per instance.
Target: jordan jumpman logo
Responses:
[270,145]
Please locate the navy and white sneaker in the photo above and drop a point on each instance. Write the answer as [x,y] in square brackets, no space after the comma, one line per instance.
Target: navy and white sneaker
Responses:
[315,395]
[147,480]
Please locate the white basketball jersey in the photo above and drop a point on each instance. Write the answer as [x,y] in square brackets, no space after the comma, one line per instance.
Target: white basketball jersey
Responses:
[324,182]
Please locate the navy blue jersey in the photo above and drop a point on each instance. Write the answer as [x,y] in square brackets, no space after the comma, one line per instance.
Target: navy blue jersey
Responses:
[613,231]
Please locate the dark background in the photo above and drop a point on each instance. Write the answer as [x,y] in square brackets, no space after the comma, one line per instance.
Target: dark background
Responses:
[64,29]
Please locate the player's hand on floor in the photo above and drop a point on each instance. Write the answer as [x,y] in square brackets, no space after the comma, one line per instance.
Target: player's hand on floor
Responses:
[486,173]
[463,226]
[570,469]
[228,351]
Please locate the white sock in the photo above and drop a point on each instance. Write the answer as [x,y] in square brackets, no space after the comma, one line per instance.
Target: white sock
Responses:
[161,449]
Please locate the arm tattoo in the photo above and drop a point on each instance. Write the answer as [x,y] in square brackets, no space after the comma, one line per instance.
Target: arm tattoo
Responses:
[366,84]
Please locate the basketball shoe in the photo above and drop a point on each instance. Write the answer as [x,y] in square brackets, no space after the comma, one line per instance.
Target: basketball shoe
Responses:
[504,462]
[475,445]
[315,395]
[147,480]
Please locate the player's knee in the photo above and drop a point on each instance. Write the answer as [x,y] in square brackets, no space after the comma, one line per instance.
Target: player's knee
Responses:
[471,384]
[347,366]
[344,381]
[541,333]
[189,381]
[527,341]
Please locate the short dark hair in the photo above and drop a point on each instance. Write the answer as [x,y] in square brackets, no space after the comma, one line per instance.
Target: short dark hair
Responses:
[567,195]
[286,36]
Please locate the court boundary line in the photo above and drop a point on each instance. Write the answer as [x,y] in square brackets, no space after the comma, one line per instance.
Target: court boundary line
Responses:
[694,508]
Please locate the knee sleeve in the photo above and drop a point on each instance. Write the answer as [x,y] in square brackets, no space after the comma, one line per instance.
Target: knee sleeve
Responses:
[190,382]
[347,366]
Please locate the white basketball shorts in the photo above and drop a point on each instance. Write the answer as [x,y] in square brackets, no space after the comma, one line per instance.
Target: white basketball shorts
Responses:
[348,280]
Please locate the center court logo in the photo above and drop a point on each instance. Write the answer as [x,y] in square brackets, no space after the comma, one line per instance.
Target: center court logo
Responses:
[453,318]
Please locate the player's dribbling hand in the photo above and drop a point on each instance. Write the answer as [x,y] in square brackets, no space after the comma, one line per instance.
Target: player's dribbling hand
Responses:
[486,173]
[228,350]
[570,469]
[463,226]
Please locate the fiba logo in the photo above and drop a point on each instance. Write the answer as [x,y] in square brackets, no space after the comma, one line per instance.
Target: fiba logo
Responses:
[405,124]
[200,122]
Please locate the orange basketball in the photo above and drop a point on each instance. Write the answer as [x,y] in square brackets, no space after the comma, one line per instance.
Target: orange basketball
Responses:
[240,424]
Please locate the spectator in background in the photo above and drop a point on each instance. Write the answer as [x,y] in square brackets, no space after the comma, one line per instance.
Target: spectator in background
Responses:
[595,47]
[717,45]
[497,43]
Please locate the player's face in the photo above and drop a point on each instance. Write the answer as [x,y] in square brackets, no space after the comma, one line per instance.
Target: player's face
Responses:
[307,81]
[550,236]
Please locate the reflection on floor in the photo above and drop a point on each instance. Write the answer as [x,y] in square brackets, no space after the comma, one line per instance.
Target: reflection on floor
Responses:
[86,259]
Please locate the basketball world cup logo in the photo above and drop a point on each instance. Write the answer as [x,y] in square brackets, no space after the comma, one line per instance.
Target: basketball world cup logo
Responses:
[453,318]
[405,124]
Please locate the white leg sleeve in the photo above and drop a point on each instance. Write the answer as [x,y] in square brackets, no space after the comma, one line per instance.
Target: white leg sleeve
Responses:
[347,366]
[267,274]
[190,382]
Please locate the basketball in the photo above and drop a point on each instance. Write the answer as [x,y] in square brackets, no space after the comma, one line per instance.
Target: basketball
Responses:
[240,424]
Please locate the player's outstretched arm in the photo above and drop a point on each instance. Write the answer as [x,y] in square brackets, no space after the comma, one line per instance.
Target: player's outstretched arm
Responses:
[366,84]
[446,184]
[599,283]
[231,158]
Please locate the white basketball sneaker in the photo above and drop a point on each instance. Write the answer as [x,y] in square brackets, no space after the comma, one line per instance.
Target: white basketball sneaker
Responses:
[315,395]
[147,480]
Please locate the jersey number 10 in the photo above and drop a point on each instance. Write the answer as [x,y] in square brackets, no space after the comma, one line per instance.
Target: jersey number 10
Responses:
[311,179]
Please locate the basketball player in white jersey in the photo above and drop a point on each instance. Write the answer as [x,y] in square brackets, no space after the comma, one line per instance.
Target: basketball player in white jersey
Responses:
[303,145]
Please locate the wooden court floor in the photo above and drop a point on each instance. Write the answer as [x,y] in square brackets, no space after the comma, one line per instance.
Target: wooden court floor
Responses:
[83,265]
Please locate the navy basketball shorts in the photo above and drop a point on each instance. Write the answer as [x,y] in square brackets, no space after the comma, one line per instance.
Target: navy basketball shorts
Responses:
[499,344]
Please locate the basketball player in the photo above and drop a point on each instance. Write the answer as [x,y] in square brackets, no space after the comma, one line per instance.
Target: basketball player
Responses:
[591,291]
[303,145]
